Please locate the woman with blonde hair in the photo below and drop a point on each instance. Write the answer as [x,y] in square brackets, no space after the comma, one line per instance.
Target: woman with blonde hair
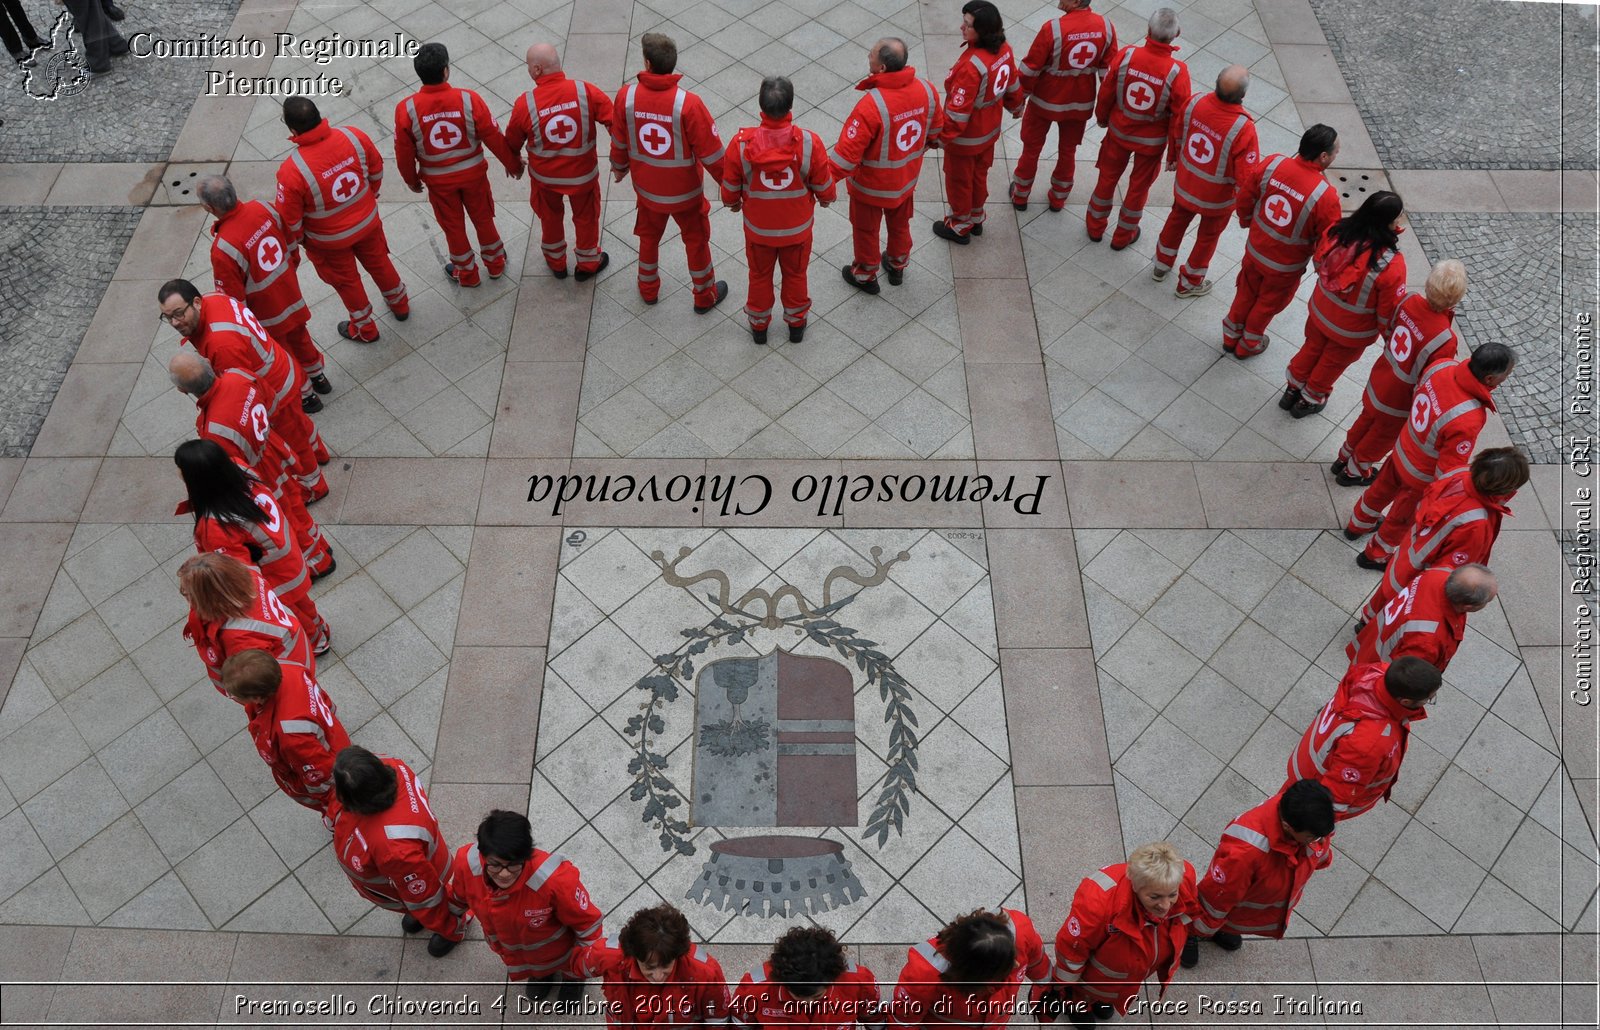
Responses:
[232,609]
[1126,923]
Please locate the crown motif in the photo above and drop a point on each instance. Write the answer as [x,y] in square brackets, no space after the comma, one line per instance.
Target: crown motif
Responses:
[771,620]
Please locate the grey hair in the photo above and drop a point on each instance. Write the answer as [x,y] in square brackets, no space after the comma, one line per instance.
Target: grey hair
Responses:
[216,191]
[1470,586]
[1163,25]
[892,53]
[199,381]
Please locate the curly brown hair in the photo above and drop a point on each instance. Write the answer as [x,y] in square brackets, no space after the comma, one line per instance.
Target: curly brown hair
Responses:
[659,934]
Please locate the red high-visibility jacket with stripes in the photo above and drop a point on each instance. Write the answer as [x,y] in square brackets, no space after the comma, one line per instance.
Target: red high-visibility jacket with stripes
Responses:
[230,336]
[328,186]
[663,136]
[560,121]
[881,146]
[1454,525]
[397,859]
[251,260]
[1144,89]
[439,135]
[535,924]
[1418,621]
[1109,944]
[1420,337]
[1256,876]
[298,734]
[1061,73]
[1355,298]
[695,993]
[777,172]
[760,1001]
[266,625]
[1448,411]
[1287,204]
[268,545]
[922,999]
[1213,142]
[981,87]
[1357,743]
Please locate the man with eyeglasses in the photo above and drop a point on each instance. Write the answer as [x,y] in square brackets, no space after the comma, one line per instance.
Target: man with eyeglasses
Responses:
[534,908]
[1261,868]
[1358,741]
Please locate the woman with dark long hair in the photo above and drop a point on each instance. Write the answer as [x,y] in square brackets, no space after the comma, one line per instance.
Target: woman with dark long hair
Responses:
[983,80]
[234,514]
[970,971]
[1361,280]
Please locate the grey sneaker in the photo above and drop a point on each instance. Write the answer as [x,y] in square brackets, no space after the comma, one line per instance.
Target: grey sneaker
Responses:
[1184,293]
[1158,273]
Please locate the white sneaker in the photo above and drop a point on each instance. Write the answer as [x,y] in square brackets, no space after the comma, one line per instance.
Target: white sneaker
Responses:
[1193,291]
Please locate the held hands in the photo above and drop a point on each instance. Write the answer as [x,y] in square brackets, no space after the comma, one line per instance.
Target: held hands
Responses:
[618,174]
[415,187]
[733,205]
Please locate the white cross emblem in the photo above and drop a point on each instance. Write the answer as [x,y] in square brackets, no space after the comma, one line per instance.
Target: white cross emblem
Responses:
[1201,152]
[655,138]
[1081,54]
[772,182]
[561,130]
[1002,76]
[1278,211]
[258,421]
[909,135]
[268,254]
[1141,97]
[345,186]
[444,135]
[1400,343]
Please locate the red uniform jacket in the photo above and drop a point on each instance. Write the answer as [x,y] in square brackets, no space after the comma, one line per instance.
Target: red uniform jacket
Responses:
[535,924]
[922,999]
[1110,944]
[1061,73]
[234,414]
[1420,337]
[777,171]
[1454,525]
[1144,88]
[1448,411]
[267,625]
[1213,143]
[1355,298]
[1287,204]
[695,994]
[1356,745]
[251,260]
[397,859]
[664,135]
[849,1000]
[1257,875]
[269,545]
[561,141]
[881,145]
[328,187]
[298,734]
[229,336]
[1418,621]
[979,85]
[440,131]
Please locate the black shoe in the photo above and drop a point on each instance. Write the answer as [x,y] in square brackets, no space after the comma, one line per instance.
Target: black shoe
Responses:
[450,273]
[977,228]
[398,317]
[18,56]
[559,273]
[311,404]
[581,276]
[1337,468]
[1357,534]
[570,994]
[1227,941]
[944,232]
[722,295]
[113,12]
[797,333]
[1345,479]
[439,945]
[333,563]
[1367,562]
[539,990]
[1291,397]
[1191,952]
[344,330]
[1360,625]
[1131,240]
[320,384]
[758,335]
[1303,407]
[870,286]
[896,275]
[1079,1014]
[1103,1012]
[1022,206]
[409,923]
[1092,237]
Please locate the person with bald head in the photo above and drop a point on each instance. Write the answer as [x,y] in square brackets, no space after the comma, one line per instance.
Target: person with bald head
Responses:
[1209,145]
[1427,618]
[560,121]
[251,262]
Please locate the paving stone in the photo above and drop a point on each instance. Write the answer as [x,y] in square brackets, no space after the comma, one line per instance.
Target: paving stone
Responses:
[116,865]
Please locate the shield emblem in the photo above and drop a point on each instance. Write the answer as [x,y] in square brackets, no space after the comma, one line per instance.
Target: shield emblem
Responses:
[775,742]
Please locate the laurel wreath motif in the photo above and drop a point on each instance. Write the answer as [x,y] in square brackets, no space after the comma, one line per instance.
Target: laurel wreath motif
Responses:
[661,797]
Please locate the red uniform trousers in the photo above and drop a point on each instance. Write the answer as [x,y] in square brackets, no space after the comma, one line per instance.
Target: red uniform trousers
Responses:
[1399,493]
[452,206]
[966,185]
[1113,160]
[794,260]
[292,423]
[1036,124]
[864,221]
[694,222]
[553,229]
[336,266]
[1371,437]
[298,342]
[291,495]
[1194,270]
[1259,296]
[1320,361]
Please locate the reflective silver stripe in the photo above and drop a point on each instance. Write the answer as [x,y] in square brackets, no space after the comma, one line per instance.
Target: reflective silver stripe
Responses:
[679,158]
[1424,358]
[1371,398]
[1365,303]
[427,903]
[1387,644]
[1248,835]
[929,952]
[560,932]
[1319,755]
[238,258]
[286,313]
[1211,909]
[1198,204]
[584,145]
[983,83]
[1424,549]
[1329,326]
[758,975]
[1105,970]
[1070,967]
[1263,905]
[659,199]
[1276,266]
[538,967]
[257,626]
[886,194]
[1105,882]
[1223,150]
[252,455]
[412,832]
[755,230]
[546,870]
[1048,105]
[976,141]
[305,726]
[474,860]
